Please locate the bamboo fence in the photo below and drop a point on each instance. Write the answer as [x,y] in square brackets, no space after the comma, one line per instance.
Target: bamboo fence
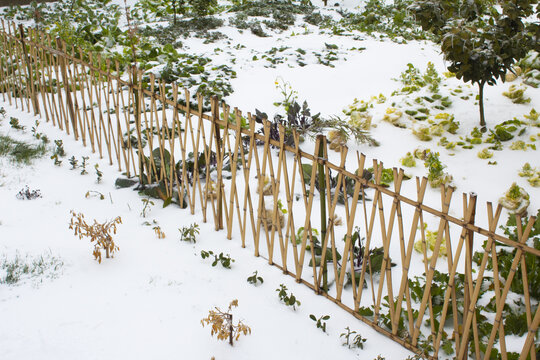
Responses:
[236,177]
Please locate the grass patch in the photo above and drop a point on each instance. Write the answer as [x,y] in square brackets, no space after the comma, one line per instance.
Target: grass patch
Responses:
[20,267]
[20,152]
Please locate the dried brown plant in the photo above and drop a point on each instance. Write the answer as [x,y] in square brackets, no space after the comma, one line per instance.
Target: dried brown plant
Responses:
[99,234]
[222,324]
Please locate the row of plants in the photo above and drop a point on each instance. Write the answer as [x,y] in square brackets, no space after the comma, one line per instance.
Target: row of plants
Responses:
[375,17]
[23,152]
[327,55]
[20,151]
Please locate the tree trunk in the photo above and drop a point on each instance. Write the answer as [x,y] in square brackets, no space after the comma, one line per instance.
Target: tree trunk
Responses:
[481,105]
[231,329]
[174,11]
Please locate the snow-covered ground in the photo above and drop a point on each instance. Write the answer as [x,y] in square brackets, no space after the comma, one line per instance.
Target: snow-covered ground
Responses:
[147,302]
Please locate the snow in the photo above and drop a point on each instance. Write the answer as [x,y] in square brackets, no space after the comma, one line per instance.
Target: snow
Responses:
[147,301]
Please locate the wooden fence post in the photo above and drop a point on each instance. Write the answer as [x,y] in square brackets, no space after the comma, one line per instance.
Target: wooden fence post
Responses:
[30,76]
[62,63]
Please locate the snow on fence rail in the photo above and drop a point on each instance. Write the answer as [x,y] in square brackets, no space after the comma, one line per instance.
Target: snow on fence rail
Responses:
[465,291]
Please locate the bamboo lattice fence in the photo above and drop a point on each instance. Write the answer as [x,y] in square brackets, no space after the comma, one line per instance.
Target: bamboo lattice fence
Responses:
[216,163]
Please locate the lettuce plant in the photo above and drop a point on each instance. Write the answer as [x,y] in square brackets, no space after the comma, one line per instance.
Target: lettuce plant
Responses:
[515,200]
[436,175]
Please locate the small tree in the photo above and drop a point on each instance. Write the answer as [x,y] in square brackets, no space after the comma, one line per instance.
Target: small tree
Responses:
[177,7]
[480,41]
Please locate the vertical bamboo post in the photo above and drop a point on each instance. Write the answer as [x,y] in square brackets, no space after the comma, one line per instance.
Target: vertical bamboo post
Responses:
[67,89]
[219,182]
[468,266]
[322,202]
[203,194]
[234,161]
[246,165]
[308,202]
[137,113]
[30,79]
